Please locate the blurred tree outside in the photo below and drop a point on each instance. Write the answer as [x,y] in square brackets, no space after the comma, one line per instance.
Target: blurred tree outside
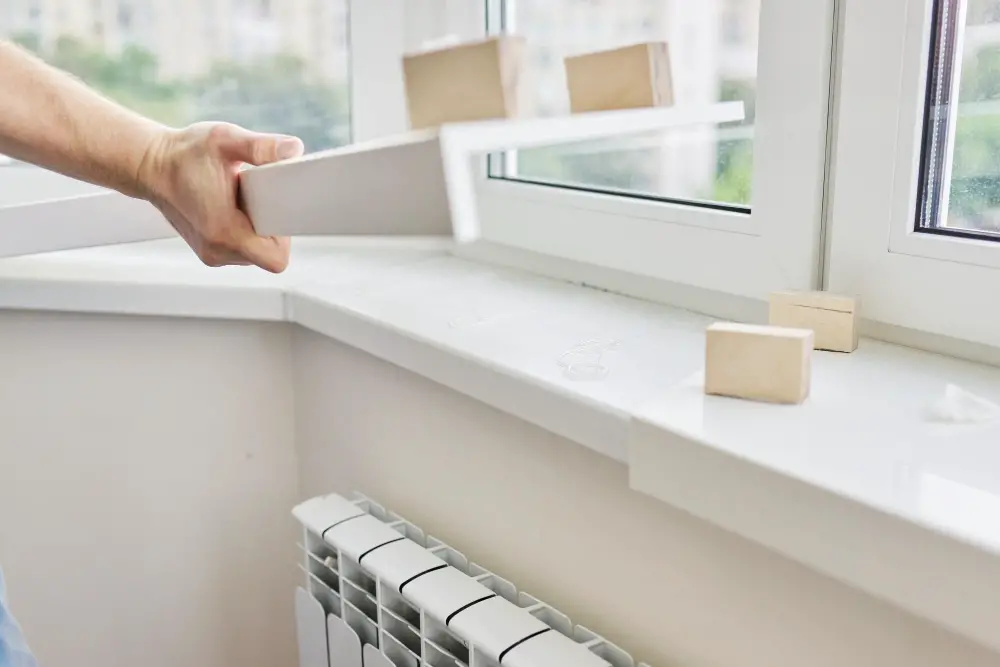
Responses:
[734,166]
[272,94]
[589,166]
[275,95]
[975,184]
[130,78]
[636,169]
[982,11]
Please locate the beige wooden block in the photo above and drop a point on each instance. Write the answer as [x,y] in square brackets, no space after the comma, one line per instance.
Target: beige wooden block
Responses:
[632,77]
[761,363]
[467,82]
[833,318]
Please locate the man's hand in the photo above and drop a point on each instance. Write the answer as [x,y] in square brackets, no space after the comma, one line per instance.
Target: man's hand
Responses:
[50,119]
[192,177]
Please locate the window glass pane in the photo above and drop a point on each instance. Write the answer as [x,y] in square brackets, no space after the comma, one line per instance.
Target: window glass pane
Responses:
[961,159]
[713,50]
[269,65]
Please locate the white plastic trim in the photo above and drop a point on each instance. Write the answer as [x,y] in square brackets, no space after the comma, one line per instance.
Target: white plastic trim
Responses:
[905,278]
[417,601]
[82,221]
[776,247]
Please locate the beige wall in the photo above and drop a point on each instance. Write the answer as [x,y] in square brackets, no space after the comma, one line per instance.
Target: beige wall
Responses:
[561,522]
[146,475]
[147,472]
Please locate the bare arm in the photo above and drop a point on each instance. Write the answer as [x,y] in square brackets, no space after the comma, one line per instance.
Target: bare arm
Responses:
[50,119]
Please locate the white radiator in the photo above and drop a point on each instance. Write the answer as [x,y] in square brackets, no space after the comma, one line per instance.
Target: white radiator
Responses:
[379,593]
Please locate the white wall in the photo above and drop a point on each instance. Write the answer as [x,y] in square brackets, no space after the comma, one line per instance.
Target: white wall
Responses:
[147,472]
[561,522]
[147,469]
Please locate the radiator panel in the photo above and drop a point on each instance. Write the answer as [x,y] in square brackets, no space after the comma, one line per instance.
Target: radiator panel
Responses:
[378,592]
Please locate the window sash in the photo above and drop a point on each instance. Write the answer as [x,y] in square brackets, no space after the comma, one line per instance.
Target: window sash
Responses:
[906,278]
[776,247]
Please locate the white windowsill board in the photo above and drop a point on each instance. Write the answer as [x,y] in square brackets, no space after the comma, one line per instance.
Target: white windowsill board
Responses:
[858,483]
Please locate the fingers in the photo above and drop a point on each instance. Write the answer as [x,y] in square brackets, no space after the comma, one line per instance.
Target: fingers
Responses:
[236,244]
[254,148]
[203,204]
[270,253]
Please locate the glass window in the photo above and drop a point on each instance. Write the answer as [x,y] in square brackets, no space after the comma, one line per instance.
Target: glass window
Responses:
[960,188]
[713,49]
[271,67]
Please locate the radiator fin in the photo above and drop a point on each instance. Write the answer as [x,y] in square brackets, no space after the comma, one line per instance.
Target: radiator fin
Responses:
[380,593]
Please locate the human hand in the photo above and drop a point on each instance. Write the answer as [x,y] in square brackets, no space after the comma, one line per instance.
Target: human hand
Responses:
[192,177]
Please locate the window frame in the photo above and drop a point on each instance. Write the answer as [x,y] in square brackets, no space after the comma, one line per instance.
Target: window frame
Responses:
[778,247]
[67,218]
[872,249]
[906,277]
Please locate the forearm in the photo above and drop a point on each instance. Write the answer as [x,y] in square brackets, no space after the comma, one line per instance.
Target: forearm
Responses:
[50,119]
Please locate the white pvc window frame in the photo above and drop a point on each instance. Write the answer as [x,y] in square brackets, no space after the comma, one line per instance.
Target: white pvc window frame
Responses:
[906,278]
[775,246]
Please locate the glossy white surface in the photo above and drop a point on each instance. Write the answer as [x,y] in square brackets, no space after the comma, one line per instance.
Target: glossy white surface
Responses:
[575,361]
[868,433]
[860,482]
[868,438]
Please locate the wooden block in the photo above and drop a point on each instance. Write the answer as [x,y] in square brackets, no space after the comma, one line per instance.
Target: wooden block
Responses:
[632,77]
[467,82]
[761,363]
[833,318]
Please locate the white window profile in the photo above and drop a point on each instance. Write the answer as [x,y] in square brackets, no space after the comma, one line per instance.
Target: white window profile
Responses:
[905,277]
[774,246]
[933,283]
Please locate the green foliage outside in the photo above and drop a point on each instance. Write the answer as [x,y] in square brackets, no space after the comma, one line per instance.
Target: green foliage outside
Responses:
[975,185]
[582,165]
[274,94]
[637,169]
[734,160]
[277,94]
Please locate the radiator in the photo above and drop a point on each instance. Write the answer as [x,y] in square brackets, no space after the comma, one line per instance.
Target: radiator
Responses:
[378,592]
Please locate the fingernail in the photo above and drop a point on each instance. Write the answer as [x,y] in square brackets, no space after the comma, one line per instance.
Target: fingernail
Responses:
[289,148]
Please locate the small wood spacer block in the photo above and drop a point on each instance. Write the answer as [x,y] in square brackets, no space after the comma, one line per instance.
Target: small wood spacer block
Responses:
[467,82]
[760,363]
[632,77]
[833,318]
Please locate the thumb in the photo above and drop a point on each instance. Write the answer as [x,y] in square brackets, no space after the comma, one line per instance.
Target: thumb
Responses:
[257,149]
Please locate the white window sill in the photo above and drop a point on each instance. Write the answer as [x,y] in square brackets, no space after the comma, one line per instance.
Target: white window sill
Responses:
[857,483]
